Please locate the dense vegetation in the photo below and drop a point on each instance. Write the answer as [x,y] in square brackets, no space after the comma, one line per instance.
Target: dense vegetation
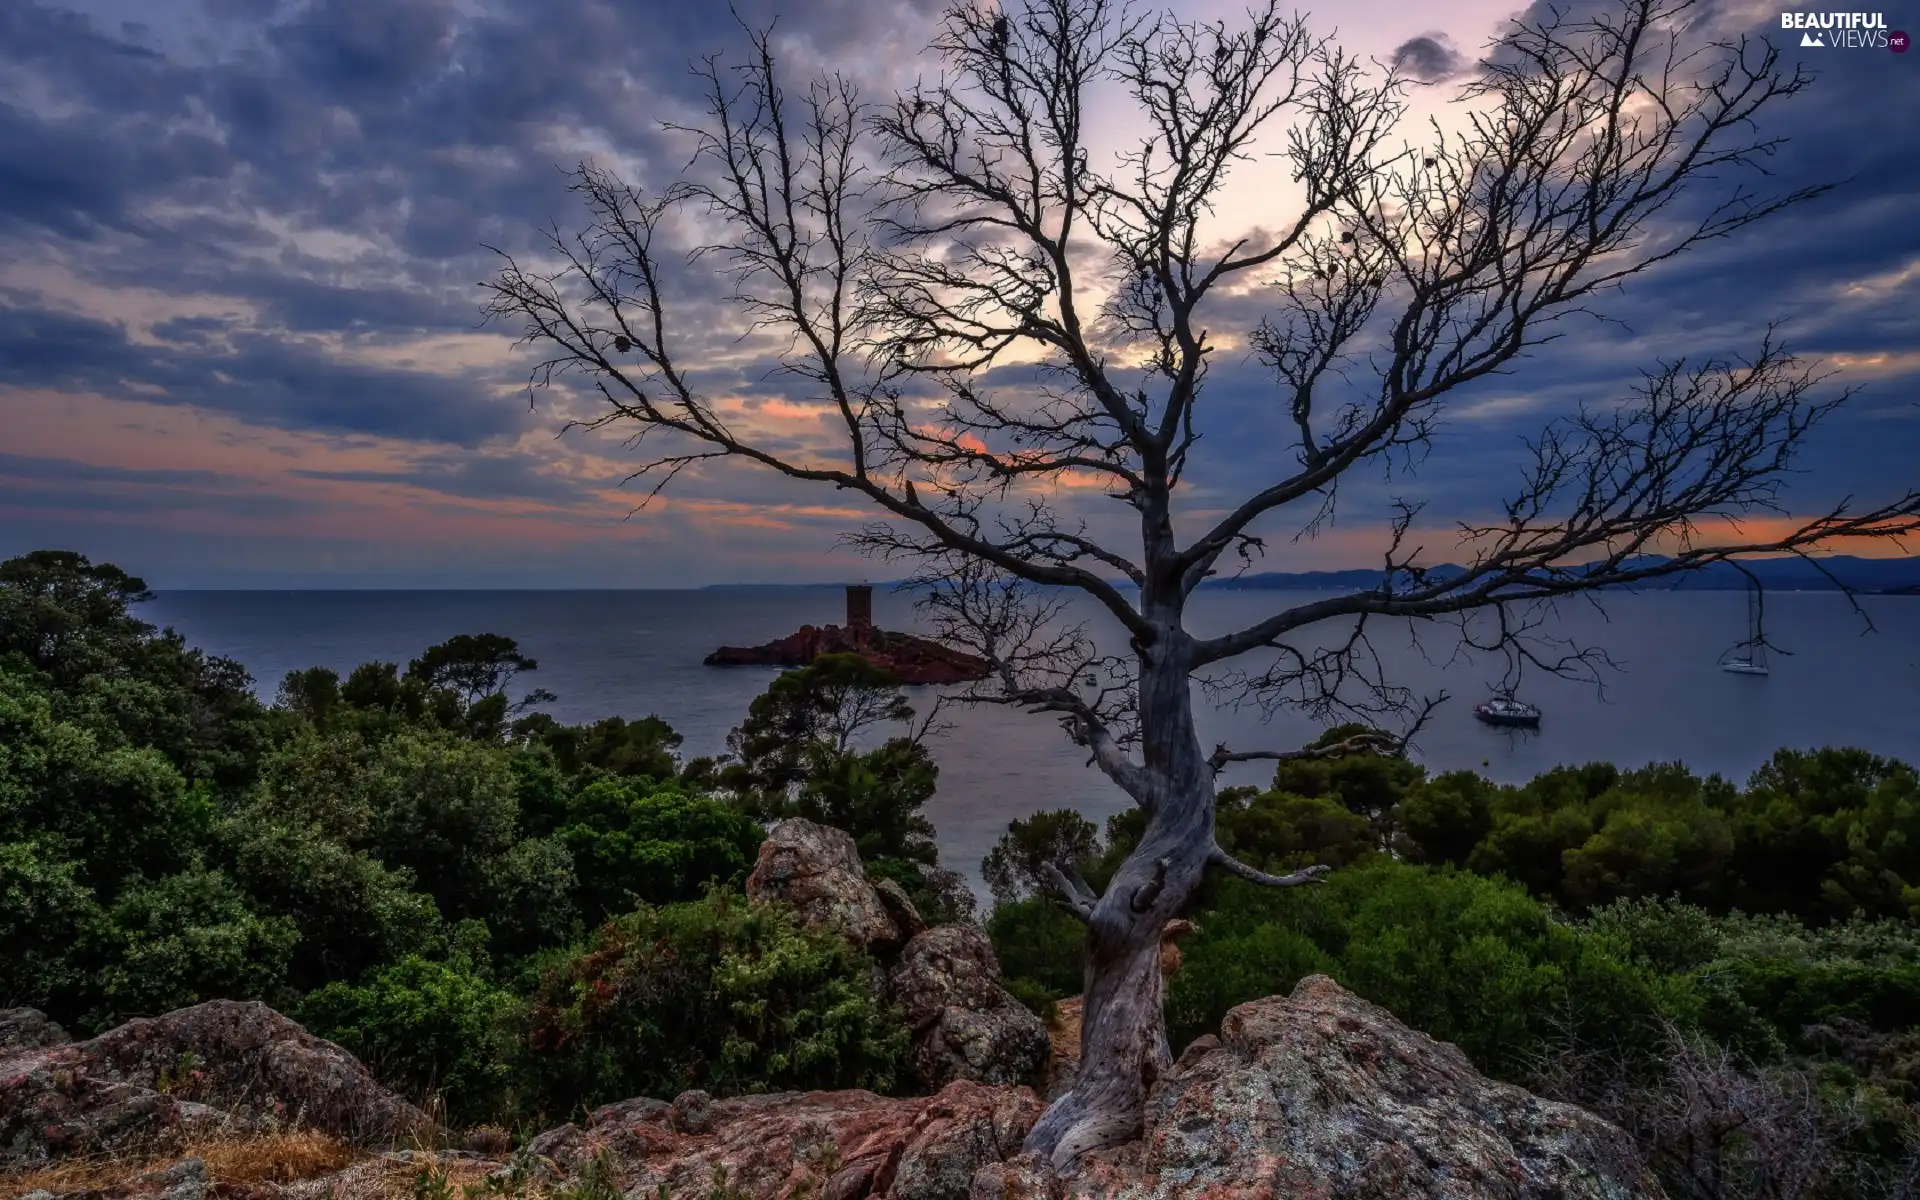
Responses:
[1731,973]
[521,915]
[525,917]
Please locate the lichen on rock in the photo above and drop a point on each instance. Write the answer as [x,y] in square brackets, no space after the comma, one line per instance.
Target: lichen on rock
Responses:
[1321,1094]
[815,869]
[965,1024]
[225,1064]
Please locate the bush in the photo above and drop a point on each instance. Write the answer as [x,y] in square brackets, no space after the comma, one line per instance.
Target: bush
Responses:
[432,803]
[181,940]
[114,811]
[1279,831]
[425,1028]
[1472,961]
[532,905]
[1040,945]
[44,908]
[1820,835]
[876,797]
[352,912]
[720,994]
[634,842]
[1016,867]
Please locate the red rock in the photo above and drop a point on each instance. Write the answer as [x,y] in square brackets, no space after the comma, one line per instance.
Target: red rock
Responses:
[1321,1094]
[965,1023]
[816,869]
[912,659]
[848,1145]
[239,1059]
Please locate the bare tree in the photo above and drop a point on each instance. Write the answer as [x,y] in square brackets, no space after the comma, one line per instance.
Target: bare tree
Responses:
[985,311]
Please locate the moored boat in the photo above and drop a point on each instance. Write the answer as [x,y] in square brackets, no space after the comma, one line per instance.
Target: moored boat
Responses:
[1505,710]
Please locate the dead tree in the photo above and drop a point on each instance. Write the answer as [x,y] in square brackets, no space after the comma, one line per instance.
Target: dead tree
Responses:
[983,312]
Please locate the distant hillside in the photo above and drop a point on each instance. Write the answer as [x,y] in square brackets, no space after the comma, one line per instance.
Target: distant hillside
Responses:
[1872,576]
[1869,576]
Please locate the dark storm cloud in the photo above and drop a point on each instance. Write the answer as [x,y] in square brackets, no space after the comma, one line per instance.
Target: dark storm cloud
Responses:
[393,138]
[260,379]
[407,125]
[1429,58]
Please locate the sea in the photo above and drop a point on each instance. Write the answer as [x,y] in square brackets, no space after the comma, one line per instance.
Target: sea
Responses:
[1839,677]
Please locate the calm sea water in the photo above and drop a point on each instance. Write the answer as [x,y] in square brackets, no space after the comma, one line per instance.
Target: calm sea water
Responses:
[636,653]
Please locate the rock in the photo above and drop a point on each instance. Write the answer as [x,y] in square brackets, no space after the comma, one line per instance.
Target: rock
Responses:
[223,1064]
[1321,1095]
[1063,1058]
[816,869]
[965,1024]
[909,659]
[28,1029]
[899,906]
[841,1145]
[693,1112]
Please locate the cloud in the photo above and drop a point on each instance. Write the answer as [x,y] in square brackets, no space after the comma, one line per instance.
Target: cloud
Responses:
[1430,58]
[275,213]
[276,382]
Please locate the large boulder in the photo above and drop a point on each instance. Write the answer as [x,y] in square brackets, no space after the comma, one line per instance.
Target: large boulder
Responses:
[224,1064]
[816,869]
[965,1024]
[1322,1094]
[28,1029]
[833,1145]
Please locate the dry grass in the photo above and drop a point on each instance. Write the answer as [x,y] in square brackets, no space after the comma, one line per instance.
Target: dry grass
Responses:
[231,1158]
[279,1158]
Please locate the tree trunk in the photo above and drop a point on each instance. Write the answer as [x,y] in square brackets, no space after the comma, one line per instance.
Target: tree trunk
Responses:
[1123,1035]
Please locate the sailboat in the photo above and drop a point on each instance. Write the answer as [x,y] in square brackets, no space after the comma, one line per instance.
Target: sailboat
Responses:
[1749,657]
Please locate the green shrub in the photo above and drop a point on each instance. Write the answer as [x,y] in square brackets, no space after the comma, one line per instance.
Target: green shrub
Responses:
[44,909]
[1041,944]
[720,994]
[1016,866]
[876,797]
[425,1027]
[633,841]
[1473,961]
[181,940]
[352,912]
[114,811]
[1036,996]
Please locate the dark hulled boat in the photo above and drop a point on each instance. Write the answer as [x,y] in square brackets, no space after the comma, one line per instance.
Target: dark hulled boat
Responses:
[1505,710]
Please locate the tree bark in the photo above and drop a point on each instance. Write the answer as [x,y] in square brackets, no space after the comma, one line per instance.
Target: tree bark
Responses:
[1123,1035]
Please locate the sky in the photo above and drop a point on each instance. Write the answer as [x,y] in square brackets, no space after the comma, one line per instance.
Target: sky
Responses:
[241,241]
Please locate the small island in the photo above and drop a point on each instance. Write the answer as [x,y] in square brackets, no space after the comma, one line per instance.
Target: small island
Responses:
[911,659]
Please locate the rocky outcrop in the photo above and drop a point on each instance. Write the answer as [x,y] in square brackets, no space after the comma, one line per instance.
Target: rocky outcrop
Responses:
[816,870]
[908,658]
[946,979]
[834,1145]
[1320,1095]
[1315,1096]
[220,1065]
[965,1024]
[28,1029]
